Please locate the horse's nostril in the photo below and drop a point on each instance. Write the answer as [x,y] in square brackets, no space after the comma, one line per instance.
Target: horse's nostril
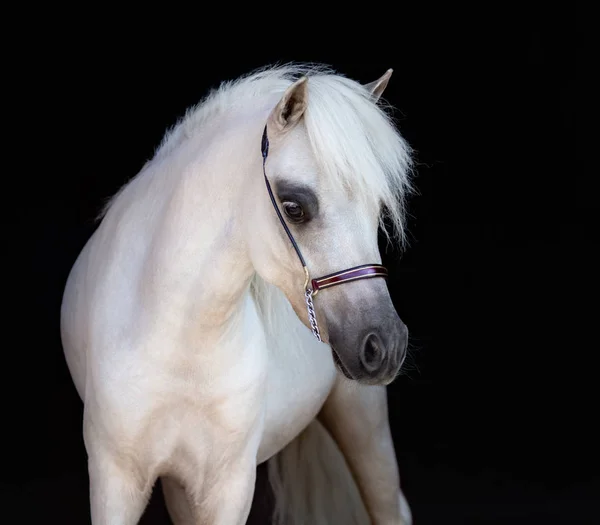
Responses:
[372,353]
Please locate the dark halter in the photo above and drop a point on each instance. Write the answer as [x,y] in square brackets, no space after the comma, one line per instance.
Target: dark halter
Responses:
[365,271]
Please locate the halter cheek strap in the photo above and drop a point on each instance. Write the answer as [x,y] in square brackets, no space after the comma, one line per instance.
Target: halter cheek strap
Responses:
[365,271]
[265,153]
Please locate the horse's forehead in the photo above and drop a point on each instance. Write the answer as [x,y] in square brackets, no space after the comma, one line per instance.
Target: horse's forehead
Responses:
[298,161]
[297,158]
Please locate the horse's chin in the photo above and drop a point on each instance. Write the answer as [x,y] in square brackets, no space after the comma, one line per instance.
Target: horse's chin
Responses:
[339,365]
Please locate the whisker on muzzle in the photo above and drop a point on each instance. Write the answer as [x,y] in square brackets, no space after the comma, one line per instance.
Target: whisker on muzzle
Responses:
[410,361]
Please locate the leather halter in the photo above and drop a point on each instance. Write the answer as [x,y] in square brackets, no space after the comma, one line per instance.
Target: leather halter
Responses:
[365,271]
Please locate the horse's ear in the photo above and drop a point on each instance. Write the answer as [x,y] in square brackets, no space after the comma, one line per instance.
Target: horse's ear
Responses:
[377,87]
[291,107]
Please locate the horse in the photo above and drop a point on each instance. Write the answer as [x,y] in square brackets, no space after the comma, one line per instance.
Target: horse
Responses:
[197,330]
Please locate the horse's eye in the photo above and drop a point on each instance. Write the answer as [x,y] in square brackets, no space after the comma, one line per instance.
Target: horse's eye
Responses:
[294,211]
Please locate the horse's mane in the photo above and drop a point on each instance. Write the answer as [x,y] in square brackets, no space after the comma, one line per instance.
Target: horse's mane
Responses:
[353,139]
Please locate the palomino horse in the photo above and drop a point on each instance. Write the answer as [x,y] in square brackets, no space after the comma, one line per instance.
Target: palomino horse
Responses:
[191,322]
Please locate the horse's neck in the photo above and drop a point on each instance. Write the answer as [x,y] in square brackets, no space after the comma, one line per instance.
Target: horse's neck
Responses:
[202,258]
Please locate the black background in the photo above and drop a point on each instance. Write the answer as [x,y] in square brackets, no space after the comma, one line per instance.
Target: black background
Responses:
[494,420]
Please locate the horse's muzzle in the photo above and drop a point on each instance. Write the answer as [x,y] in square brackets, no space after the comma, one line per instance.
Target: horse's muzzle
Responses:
[373,356]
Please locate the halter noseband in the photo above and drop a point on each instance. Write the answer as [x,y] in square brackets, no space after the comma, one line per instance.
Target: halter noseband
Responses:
[365,271]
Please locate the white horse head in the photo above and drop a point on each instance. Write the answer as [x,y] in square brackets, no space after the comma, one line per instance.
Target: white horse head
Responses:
[337,166]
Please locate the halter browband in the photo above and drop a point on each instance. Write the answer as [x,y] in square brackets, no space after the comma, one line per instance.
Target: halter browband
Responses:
[365,271]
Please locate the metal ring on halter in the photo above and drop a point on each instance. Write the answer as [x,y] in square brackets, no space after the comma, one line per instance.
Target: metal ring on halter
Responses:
[365,271]
[307,278]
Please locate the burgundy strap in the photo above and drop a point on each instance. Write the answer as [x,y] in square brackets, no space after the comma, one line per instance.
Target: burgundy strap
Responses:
[365,271]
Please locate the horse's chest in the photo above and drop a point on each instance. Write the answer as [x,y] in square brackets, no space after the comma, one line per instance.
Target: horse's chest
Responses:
[299,379]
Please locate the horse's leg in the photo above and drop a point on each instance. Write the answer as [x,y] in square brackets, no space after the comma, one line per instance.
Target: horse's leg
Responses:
[356,416]
[118,494]
[229,498]
[177,501]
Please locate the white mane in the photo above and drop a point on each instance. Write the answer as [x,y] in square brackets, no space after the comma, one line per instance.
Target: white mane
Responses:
[354,140]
